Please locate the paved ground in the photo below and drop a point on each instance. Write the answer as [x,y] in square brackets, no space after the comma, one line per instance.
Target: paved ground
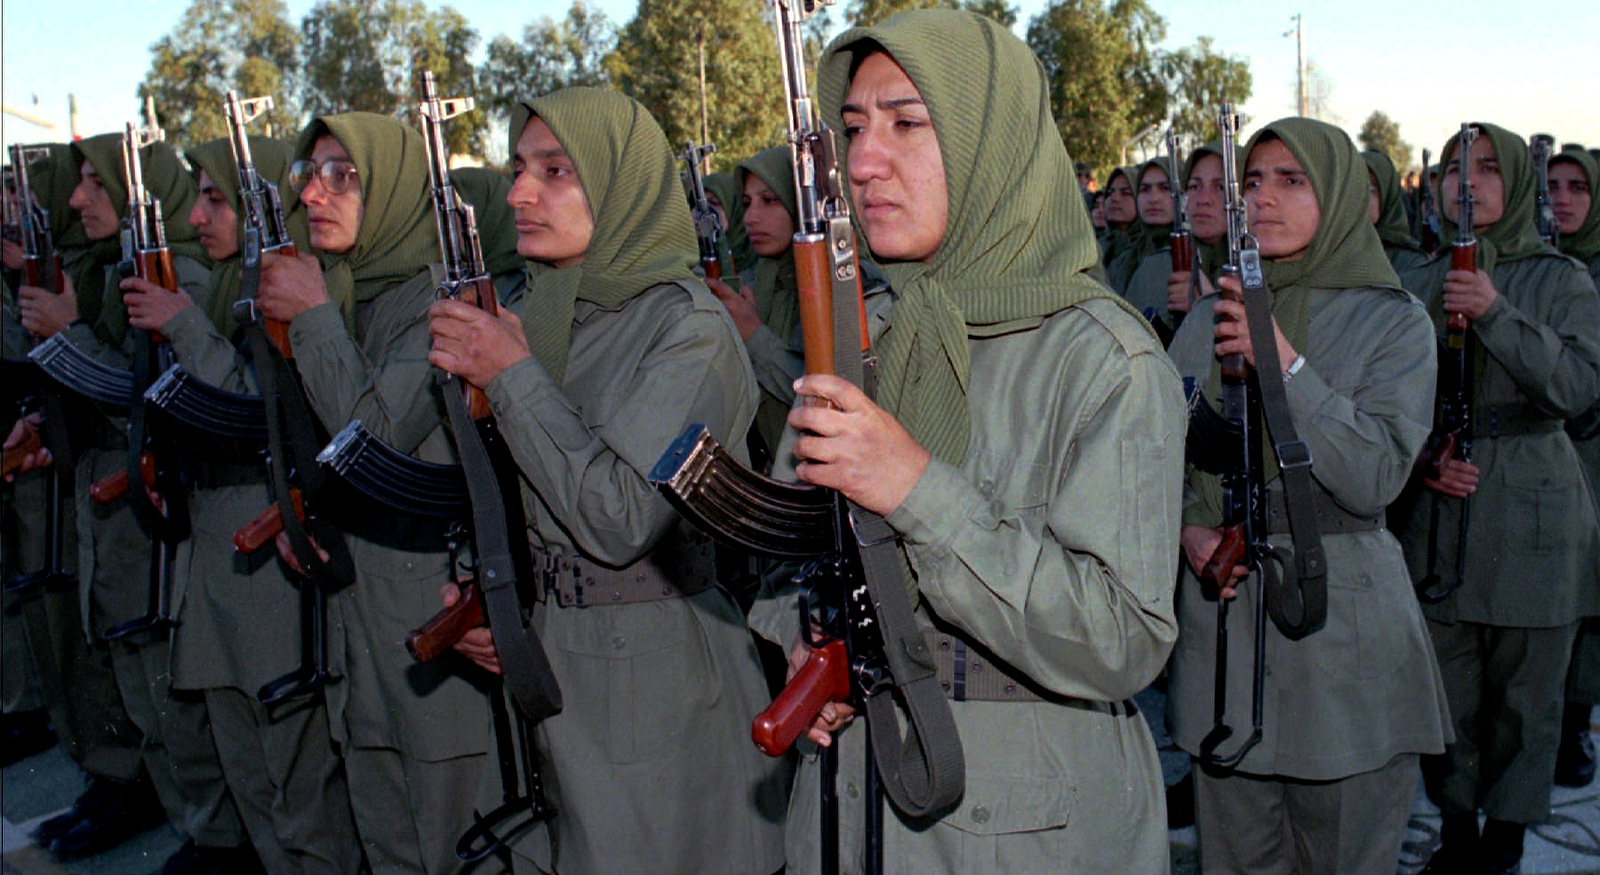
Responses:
[41,786]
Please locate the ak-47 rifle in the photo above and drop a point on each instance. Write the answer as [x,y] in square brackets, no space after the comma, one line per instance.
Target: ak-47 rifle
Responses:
[1430,232]
[153,463]
[871,650]
[1181,239]
[716,259]
[265,228]
[1540,148]
[1247,402]
[41,267]
[501,557]
[1452,437]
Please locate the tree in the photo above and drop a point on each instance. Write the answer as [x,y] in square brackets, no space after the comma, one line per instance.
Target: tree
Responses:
[218,46]
[866,13]
[1379,133]
[1103,72]
[999,10]
[1199,80]
[657,61]
[551,55]
[367,55]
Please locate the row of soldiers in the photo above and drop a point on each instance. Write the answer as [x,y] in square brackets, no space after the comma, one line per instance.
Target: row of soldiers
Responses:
[1025,444]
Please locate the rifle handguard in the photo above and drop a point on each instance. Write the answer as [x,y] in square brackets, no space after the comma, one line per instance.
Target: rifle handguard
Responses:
[265,527]
[824,678]
[1182,253]
[12,458]
[115,485]
[1462,258]
[445,628]
[156,266]
[1229,554]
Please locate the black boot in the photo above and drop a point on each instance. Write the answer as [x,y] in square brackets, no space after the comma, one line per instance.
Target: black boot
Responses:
[1180,803]
[1502,847]
[23,734]
[1459,846]
[1575,756]
[111,813]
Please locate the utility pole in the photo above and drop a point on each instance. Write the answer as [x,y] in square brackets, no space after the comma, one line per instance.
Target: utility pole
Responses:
[1299,62]
[72,116]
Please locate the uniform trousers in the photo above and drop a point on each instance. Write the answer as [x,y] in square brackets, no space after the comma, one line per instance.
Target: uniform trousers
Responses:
[409,812]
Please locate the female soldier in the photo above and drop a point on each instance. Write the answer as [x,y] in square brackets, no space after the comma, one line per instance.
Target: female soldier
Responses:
[1388,213]
[1150,264]
[1351,706]
[1020,453]
[240,621]
[1504,637]
[618,348]
[413,736]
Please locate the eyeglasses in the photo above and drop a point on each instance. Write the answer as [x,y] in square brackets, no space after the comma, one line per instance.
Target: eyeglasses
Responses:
[337,174]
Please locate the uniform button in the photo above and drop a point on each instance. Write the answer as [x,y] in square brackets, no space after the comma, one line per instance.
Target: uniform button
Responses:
[987,488]
[616,595]
[851,790]
[619,642]
[410,565]
[980,815]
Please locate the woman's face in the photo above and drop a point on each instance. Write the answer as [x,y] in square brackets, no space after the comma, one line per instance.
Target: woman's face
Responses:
[1155,197]
[1570,197]
[765,219]
[1207,218]
[1120,205]
[897,177]
[1284,213]
[554,224]
[1483,175]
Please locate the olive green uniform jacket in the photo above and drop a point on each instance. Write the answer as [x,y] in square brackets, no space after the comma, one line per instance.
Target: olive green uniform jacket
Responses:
[1147,288]
[381,376]
[1352,695]
[650,763]
[1081,412]
[1532,539]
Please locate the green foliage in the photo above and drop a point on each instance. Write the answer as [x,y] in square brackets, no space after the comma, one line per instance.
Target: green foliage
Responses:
[1105,83]
[865,13]
[1379,133]
[1199,80]
[367,55]
[552,55]
[657,62]
[222,45]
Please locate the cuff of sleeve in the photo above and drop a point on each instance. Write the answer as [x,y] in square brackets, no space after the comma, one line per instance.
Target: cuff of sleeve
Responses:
[934,507]
[762,343]
[517,385]
[315,324]
[1496,309]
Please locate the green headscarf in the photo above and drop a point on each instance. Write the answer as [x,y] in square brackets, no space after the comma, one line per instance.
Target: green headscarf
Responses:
[1514,236]
[643,235]
[1585,244]
[272,158]
[1344,253]
[485,190]
[398,238]
[727,189]
[166,179]
[53,177]
[1014,252]
[1394,226]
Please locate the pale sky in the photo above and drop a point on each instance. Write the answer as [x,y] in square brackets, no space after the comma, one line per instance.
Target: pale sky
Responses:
[1430,66]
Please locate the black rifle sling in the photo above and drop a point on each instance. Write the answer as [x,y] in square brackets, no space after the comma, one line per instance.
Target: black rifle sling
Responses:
[923,768]
[1310,566]
[286,410]
[526,667]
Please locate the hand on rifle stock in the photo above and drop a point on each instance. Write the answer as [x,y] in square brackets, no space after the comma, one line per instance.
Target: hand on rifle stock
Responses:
[852,445]
[1199,545]
[834,716]
[741,305]
[1456,478]
[11,254]
[1233,334]
[477,644]
[286,551]
[45,314]
[1468,292]
[1178,290]
[151,307]
[472,344]
[290,285]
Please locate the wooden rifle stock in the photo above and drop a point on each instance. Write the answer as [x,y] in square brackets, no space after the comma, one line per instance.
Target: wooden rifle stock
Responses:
[155,266]
[824,678]
[36,273]
[445,628]
[266,526]
[482,295]
[814,273]
[115,485]
[1182,252]
[12,458]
